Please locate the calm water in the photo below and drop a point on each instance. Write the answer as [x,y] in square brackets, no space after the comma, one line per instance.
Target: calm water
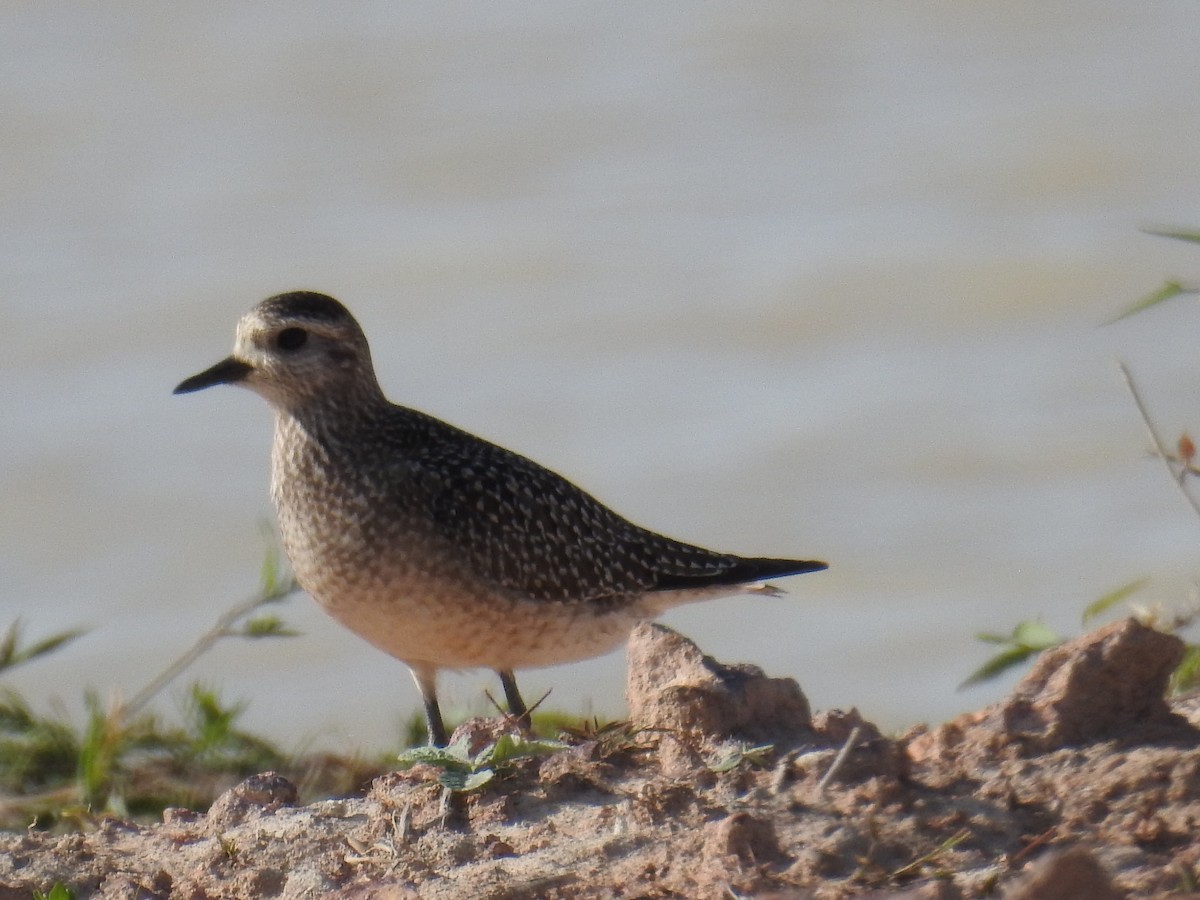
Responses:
[767,277]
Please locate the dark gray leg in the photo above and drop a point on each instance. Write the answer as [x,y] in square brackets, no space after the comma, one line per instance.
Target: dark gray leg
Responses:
[426,678]
[433,721]
[512,696]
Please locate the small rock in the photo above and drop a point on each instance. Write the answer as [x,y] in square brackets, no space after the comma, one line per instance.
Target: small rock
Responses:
[255,796]
[938,746]
[1093,687]
[672,685]
[1108,684]
[498,848]
[175,815]
[1072,874]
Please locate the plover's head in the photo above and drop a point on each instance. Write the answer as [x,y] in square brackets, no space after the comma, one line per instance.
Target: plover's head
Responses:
[296,349]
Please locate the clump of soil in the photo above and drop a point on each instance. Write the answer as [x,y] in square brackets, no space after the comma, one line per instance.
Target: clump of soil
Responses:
[1083,783]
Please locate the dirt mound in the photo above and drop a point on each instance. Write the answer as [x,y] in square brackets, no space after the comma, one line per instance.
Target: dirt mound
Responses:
[1082,783]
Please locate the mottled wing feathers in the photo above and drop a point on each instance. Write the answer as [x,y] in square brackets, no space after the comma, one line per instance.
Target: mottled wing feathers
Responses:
[523,528]
[530,530]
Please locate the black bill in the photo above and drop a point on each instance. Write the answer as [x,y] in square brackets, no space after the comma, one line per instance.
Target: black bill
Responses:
[227,371]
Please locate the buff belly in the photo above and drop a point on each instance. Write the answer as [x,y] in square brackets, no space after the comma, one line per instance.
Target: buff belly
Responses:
[458,632]
[442,619]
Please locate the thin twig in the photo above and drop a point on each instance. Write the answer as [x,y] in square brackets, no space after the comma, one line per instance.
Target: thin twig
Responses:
[204,644]
[838,760]
[1159,447]
[1035,843]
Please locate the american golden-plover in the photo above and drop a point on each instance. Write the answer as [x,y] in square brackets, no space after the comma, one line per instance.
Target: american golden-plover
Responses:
[441,549]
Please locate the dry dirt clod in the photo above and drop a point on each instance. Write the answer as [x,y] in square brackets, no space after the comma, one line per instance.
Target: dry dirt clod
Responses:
[748,839]
[256,796]
[1094,687]
[673,685]
[1107,685]
[1070,875]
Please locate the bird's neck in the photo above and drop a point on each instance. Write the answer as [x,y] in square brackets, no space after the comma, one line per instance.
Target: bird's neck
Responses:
[327,421]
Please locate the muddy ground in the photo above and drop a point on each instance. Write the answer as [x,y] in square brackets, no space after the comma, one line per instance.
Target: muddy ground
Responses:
[1083,783]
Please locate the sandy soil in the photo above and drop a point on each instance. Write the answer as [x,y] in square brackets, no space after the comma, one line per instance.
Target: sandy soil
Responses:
[1083,783]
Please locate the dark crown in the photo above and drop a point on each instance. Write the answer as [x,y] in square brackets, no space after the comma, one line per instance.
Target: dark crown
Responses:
[306,305]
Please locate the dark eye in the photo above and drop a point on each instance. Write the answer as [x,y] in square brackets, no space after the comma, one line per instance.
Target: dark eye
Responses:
[291,339]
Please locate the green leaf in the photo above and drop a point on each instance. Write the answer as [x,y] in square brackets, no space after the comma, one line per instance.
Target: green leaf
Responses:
[12,654]
[488,754]
[1035,636]
[275,580]
[462,782]
[266,627]
[999,663]
[434,756]
[476,780]
[511,747]
[460,750]
[1168,291]
[1103,604]
[1187,674]
[1027,639]
[15,714]
[8,647]
[734,757]
[50,644]
[452,757]
[932,856]
[98,751]
[1192,237]
[268,576]
[728,762]
[989,637]
[211,721]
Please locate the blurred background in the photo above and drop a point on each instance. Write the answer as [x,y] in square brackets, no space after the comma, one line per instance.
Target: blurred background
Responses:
[773,278]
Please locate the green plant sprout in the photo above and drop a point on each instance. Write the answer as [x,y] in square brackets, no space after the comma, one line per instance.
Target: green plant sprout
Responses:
[1029,638]
[1170,288]
[13,654]
[123,759]
[461,773]
[735,756]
